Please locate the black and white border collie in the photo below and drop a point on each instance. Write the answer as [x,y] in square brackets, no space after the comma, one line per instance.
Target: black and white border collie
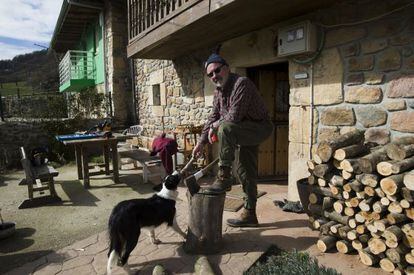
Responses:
[130,216]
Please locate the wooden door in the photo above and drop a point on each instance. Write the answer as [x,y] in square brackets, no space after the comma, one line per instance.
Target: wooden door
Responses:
[273,84]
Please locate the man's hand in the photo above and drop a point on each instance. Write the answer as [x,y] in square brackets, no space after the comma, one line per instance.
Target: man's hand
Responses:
[198,150]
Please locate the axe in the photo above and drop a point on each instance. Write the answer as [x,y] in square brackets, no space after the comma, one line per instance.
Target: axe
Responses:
[191,181]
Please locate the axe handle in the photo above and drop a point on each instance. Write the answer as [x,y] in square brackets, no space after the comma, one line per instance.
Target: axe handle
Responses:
[209,166]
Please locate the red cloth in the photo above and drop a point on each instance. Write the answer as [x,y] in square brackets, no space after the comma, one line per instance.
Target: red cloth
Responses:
[165,148]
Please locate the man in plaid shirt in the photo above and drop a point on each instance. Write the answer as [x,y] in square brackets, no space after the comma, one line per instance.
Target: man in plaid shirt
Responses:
[241,120]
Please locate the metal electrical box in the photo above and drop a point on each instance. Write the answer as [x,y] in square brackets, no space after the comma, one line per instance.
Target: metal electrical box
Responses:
[300,38]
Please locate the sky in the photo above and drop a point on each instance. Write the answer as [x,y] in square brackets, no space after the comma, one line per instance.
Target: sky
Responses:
[24,23]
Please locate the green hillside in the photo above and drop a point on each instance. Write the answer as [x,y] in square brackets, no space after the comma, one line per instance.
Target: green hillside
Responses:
[32,73]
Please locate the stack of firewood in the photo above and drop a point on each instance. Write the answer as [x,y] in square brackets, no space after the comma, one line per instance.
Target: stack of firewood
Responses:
[362,199]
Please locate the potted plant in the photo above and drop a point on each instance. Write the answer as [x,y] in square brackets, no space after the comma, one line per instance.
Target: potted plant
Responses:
[6,228]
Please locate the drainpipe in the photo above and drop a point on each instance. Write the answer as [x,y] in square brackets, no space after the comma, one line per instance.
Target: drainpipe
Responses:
[311,98]
[135,117]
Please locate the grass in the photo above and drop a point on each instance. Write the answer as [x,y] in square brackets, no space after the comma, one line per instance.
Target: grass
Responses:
[278,262]
[10,88]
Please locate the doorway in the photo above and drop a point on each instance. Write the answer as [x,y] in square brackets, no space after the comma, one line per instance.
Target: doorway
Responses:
[273,84]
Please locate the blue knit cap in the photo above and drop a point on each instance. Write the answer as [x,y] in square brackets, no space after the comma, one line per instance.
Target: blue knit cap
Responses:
[215,58]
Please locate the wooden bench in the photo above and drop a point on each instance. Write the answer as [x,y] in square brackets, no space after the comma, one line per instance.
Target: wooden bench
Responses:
[38,179]
[142,156]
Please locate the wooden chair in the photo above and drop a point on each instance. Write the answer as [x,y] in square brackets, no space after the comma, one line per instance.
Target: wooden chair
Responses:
[38,179]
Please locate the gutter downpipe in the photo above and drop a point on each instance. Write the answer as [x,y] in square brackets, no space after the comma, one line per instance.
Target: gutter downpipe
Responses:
[311,107]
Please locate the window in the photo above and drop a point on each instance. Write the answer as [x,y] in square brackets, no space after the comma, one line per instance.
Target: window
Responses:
[156,95]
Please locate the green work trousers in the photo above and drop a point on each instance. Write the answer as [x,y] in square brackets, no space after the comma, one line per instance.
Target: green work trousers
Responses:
[247,136]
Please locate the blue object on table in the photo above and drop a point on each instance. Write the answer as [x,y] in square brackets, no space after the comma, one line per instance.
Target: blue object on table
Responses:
[76,136]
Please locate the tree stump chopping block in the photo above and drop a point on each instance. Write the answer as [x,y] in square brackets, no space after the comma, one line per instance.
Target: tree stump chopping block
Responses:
[205,221]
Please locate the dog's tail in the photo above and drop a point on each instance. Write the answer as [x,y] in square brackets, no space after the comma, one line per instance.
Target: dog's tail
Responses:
[113,258]
[116,243]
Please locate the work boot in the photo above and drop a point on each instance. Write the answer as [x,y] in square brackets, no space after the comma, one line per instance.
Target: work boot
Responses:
[247,219]
[223,182]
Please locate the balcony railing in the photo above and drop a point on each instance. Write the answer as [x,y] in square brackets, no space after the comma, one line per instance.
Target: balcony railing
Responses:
[146,15]
[76,65]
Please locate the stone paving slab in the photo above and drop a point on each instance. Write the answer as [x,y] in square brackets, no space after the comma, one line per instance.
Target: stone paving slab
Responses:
[242,246]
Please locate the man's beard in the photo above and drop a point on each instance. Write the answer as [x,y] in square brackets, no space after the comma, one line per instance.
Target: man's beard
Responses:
[221,82]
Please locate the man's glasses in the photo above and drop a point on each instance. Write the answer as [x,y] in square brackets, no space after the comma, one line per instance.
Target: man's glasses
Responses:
[216,71]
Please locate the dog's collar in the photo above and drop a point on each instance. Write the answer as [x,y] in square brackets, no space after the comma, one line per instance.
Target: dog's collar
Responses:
[168,194]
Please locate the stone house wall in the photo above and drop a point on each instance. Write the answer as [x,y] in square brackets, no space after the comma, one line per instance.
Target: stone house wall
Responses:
[117,71]
[363,78]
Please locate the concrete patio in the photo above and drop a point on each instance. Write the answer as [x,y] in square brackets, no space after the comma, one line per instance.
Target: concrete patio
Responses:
[85,252]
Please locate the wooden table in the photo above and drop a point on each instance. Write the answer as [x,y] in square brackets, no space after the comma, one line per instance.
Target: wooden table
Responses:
[109,146]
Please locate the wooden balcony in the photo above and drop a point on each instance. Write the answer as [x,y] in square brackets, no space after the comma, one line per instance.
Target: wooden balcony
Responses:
[165,29]
[76,71]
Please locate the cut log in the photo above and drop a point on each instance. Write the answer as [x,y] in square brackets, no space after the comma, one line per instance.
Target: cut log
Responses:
[409,258]
[344,246]
[350,151]
[347,175]
[334,216]
[367,258]
[334,228]
[335,190]
[339,206]
[346,187]
[391,243]
[361,195]
[360,217]
[365,205]
[403,165]
[354,202]
[387,265]
[397,255]
[349,211]
[369,191]
[371,227]
[352,223]
[346,195]
[408,230]
[311,164]
[392,184]
[317,223]
[409,213]
[393,232]
[327,148]
[204,236]
[325,229]
[337,164]
[384,168]
[368,163]
[325,243]
[343,231]
[385,201]
[322,169]
[357,245]
[361,229]
[351,166]
[405,204]
[394,218]
[322,182]
[352,235]
[337,180]
[409,270]
[368,179]
[409,180]
[395,207]
[377,246]
[325,191]
[379,192]
[377,207]
[381,225]
[356,186]
[400,152]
